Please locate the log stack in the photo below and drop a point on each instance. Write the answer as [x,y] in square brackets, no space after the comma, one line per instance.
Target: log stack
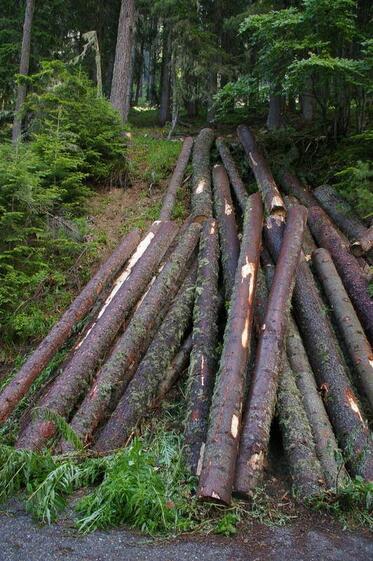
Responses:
[309,321]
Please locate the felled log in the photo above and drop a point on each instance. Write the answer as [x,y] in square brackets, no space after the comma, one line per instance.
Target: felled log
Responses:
[262,395]
[176,179]
[357,345]
[309,244]
[296,432]
[339,211]
[202,367]
[235,179]
[114,376]
[291,185]
[201,184]
[74,381]
[59,334]
[323,436]
[271,196]
[322,349]
[225,417]
[228,236]
[353,278]
[155,374]
[364,244]
[326,235]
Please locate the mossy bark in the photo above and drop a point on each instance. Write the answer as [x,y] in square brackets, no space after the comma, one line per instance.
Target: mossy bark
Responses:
[339,211]
[262,394]
[267,186]
[155,374]
[201,185]
[325,443]
[327,236]
[353,278]
[75,379]
[364,244]
[323,352]
[235,179]
[228,236]
[202,367]
[176,179]
[225,416]
[116,373]
[357,345]
[63,329]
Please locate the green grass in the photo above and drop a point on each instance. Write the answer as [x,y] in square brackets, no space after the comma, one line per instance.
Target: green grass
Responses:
[152,159]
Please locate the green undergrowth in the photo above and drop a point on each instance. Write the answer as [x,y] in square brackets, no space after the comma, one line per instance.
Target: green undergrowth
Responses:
[152,158]
[146,486]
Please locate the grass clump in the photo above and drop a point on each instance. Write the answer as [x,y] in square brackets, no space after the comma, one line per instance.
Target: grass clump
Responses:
[152,159]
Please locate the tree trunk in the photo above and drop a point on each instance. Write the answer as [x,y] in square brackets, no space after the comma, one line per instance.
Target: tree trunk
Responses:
[323,436]
[201,187]
[364,244]
[309,244]
[114,376]
[342,214]
[235,179]
[275,117]
[326,235]
[262,396]
[121,82]
[154,377]
[353,278]
[203,357]
[39,359]
[228,236]
[23,69]
[176,179]
[74,381]
[308,103]
[225,418]
[323,353]
[164,110]
[271,196]
[357,345]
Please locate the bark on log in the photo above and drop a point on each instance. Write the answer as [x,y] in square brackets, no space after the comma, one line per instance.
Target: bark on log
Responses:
[63,329]
[271,196]
[343,216]
[225,417]
[295,427]
[201,186]
[262,395]
[309,245]
[326,445]
[202,367]
[363,244]
[116,373]
[235,179]
[224,212]
[291,185]
[154,377]
[326,235]
[357,345]
[353,278]
[340,211]
[74,381]
[176,179]
[323,353]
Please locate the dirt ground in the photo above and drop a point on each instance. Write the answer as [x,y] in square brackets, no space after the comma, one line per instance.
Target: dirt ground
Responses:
[316,539]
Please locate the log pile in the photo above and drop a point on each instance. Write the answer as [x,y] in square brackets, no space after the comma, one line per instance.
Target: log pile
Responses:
[294,333]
